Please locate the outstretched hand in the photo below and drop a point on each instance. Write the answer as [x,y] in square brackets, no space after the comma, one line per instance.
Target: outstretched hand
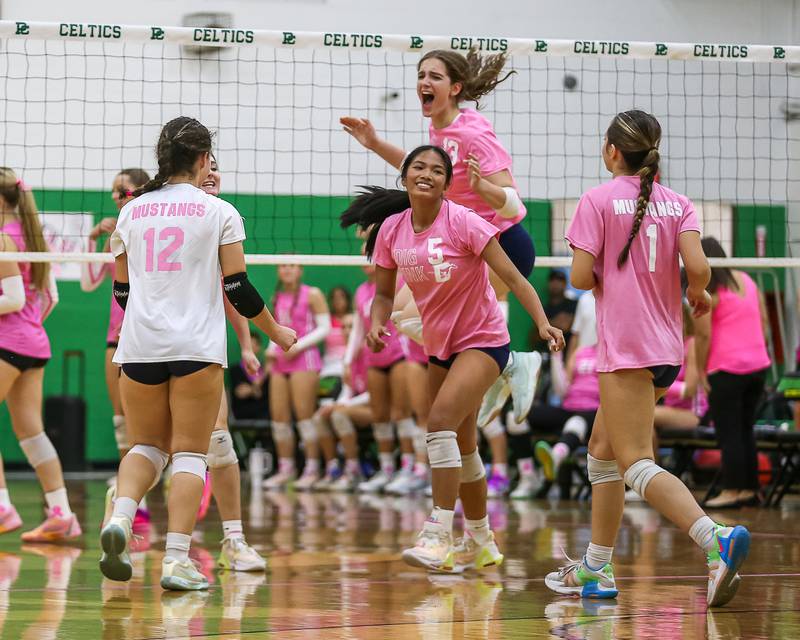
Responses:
[361,129]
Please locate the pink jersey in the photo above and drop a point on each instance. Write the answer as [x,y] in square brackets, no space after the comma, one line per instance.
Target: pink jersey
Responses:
[447,276]
[472,133]
[674,396]
[394,348]
[639,321]
[293,310]
[583,393]
[737,337]
[21,332]
[335,349]
[358,372]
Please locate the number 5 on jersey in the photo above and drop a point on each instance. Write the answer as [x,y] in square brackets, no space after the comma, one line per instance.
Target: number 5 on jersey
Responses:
[441,268]
[166,248]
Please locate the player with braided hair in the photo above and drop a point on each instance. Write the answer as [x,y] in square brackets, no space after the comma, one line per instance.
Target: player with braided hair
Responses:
[635,276]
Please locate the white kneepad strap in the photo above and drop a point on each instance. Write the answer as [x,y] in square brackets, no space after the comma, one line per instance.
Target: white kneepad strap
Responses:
[443,450]
[601,471]
[156,456]
[383,431]
[308,432]
[189,462]
[220,450]
[406,428]
[472,468]
[38,449]
[640,473]
[493,429]
[120,431]
[342,424]
[282,431]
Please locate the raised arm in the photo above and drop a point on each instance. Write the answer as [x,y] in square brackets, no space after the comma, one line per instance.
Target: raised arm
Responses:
[363,131]
[500,263]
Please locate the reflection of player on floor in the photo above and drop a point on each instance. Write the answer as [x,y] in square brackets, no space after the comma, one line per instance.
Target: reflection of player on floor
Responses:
[447,248]
[445,79]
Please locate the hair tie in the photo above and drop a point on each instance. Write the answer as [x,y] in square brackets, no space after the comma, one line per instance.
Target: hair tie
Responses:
[22,186]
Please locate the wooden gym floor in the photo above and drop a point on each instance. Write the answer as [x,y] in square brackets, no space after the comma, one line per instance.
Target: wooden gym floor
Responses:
[336,574]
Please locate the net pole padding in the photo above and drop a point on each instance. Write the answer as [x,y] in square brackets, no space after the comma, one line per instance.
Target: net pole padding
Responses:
[289,39]
[360,261]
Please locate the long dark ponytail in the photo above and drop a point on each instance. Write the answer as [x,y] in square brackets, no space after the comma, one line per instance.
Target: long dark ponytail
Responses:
[637,135]
[374,204]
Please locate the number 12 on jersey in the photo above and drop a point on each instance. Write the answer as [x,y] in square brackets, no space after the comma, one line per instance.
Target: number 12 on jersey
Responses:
[165,235]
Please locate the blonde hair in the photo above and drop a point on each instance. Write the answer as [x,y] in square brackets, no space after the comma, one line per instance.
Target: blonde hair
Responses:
[13,191]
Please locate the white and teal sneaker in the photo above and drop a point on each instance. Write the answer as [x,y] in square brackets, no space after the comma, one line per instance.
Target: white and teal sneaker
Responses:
[576,579]
[731,547]
[179,575]
[115,563]
[523,376]
[493,401]
[471,554]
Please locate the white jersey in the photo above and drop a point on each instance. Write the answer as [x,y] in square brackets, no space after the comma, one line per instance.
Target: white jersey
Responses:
[175,309]
[585,322]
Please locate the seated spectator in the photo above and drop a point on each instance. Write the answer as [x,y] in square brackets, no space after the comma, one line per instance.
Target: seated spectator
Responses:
[559,308]
[250,394]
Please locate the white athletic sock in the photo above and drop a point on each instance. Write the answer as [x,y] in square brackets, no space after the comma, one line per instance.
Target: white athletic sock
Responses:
[479,529]
[233,529]
[441,518]
[387,463]
[125,507]
[525,466]
[351,467]
[420,469]
[560,452]
[702,532]
[178,546]
[500,469]
[598,556]
[58,499]
[407,461]
[312,467]
[5,499]
[285,465]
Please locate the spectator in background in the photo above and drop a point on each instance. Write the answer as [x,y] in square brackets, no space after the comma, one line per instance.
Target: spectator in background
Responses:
[732,360]
[559,308]
[250,393]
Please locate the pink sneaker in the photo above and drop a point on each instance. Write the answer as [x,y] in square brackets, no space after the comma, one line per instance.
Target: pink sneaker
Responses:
[141,521]
[9,519]
[205,499]
[55,528]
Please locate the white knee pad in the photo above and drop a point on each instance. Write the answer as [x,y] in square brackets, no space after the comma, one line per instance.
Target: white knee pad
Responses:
[342,424]
[406,428]
[443,450]
[120,432]
[308,432]
[640,473]
[412,327]
[220,450]
[282,431]
[189,462]
[601,471]
[156,456]
[493,429]
[472,468]
[383,431]
[515,428]
[577,426]
[420,447]
[38,449]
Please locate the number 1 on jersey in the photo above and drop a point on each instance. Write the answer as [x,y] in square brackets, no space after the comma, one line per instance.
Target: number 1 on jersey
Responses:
[652,233]
[177,237]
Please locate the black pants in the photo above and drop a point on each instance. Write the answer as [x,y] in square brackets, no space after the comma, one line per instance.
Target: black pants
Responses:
[733,402]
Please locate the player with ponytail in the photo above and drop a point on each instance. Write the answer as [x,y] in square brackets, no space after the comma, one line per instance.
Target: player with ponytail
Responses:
[627,236]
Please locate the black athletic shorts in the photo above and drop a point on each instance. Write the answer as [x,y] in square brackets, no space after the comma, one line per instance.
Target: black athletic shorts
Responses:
[664,375]
[499,354]
[388,368]
[23,363]
[159,372]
